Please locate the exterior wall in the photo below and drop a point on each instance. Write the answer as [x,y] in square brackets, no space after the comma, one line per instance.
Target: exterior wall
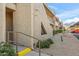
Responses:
[11,6]
[52,18]
[3,20]
[22,23]
[27,18]
[56,23]
[41,16]
[50,13]
[2,23]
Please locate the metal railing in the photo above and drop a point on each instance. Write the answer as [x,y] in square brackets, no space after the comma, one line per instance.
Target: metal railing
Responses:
[16,40]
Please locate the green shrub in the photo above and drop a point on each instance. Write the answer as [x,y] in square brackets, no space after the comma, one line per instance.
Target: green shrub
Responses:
[57,31]
[45,43]
[60,31]
[50,41]
[54,32]
[6,49]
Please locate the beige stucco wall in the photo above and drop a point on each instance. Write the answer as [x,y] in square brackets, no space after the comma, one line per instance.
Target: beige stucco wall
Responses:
[2,23]
[22,23]
[41,16]
[11,6]
[27,19]
[3,20]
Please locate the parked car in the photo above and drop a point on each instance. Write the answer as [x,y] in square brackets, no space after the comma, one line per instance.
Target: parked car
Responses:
[75,31]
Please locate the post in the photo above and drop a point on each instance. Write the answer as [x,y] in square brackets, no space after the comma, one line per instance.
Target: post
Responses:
[62,34]
[53,32]
[16,45]
[61,38]
[39,49]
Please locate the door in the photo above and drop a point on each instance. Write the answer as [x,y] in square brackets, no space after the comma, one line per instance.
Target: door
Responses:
[9,23]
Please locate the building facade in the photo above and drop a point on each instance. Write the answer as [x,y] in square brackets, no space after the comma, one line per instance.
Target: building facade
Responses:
[31,19]
[53,19]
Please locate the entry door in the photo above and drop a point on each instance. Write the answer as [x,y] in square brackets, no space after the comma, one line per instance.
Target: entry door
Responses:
[9,24]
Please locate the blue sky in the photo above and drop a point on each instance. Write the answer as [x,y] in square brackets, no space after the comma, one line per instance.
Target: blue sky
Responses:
[67,12]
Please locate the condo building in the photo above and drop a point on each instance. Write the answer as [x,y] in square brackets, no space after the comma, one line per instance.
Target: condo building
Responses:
[36,20]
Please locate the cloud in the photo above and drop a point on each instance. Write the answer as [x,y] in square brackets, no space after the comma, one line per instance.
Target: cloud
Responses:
[70,22]
[69,14]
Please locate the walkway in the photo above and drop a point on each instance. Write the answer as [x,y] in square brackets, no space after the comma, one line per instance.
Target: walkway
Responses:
[33,53]
[28,53]
[69,46]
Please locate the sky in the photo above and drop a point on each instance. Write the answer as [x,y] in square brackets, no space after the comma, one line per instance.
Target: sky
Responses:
[67,12]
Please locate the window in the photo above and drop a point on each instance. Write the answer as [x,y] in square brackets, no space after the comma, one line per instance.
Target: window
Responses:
[43,31]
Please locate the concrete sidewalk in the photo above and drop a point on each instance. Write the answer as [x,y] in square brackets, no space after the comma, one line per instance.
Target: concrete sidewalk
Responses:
[69,46]
[32,53]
